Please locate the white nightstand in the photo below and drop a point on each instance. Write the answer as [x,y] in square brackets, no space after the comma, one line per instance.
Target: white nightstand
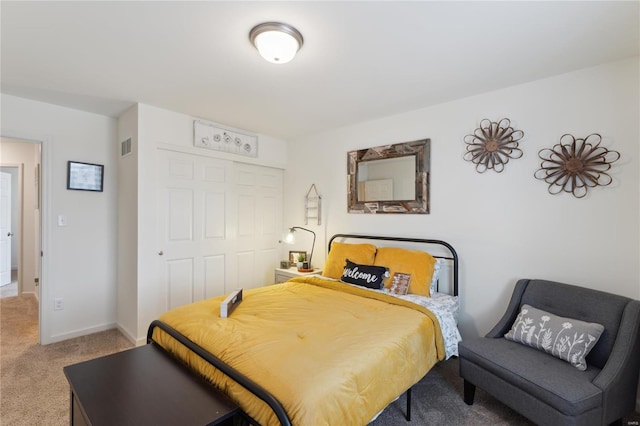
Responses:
[282,275]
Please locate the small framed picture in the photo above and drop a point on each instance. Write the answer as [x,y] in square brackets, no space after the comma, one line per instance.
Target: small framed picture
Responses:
[400,283]
[85,176]
[294,257]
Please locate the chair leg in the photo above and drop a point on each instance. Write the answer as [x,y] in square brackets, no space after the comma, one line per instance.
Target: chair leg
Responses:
[469,392]
[408,416]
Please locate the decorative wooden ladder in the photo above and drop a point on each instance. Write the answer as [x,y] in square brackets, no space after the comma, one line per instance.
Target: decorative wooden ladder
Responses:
[312,205]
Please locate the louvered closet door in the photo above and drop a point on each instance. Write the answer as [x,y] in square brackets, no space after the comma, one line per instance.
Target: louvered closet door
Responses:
[215,232]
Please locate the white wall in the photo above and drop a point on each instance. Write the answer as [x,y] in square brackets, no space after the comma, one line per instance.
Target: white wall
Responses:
[79,261]
[22,153]
[127,290]
[504,226]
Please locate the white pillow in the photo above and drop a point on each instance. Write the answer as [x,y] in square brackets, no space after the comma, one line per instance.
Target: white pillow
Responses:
[434,280]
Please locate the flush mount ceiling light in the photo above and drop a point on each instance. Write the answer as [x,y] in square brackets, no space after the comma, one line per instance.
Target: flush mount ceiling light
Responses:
[277,43]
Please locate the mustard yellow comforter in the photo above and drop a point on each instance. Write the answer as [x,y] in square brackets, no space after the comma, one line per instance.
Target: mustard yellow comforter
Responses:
[332,354]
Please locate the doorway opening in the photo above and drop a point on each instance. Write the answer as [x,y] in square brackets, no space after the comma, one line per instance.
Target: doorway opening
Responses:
[20,218]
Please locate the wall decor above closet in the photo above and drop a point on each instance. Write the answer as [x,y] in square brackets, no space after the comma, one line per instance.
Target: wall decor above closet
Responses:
[574,165]
[492,145]
[209,136]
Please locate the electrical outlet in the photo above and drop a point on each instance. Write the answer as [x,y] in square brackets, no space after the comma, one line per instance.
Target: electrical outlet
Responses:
[58,304]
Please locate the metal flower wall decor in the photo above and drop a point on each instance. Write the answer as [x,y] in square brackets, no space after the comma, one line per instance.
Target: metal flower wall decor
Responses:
[575,165]
[492,145]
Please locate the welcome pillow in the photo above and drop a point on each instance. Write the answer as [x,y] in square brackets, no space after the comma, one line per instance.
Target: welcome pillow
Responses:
[569,339]
[365,275]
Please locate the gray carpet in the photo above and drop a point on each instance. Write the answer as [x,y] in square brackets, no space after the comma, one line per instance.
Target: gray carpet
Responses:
[34,390]
[11,289]
[437,400]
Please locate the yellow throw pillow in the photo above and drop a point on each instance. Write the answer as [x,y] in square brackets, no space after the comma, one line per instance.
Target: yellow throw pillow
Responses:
[340,252]
[418,263]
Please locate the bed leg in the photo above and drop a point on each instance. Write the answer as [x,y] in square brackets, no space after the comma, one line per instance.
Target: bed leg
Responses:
[469,392]
[408,416]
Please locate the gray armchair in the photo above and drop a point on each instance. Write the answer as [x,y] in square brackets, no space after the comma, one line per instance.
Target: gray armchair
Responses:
[548,390]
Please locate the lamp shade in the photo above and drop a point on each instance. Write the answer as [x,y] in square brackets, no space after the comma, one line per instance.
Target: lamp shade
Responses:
[276,42]
[290,239]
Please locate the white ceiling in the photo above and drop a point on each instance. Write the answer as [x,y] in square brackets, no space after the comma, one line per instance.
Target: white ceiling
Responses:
[360,60]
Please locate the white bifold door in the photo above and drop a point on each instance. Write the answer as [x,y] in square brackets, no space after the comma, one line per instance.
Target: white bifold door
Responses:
[219,226]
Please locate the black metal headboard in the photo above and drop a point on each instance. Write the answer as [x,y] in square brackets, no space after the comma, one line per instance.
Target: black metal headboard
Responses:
[453,257]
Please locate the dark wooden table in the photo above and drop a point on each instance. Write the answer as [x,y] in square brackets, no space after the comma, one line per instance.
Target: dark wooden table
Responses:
[143,386]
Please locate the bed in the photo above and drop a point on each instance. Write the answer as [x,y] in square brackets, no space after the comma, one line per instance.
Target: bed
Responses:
[317,350]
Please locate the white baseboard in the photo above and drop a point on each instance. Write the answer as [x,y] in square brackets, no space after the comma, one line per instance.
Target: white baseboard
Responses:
[35,294]
[138,342]
[78,333]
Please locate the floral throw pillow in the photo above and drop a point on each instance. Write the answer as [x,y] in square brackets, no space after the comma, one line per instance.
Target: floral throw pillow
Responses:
[565,338]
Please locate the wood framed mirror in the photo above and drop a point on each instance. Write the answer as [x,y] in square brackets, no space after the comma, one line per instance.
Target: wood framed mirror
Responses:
[389,178]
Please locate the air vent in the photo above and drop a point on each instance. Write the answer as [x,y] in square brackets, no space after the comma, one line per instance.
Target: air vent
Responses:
[125,147]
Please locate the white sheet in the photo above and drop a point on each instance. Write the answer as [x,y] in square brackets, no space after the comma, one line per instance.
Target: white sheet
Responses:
[445,307]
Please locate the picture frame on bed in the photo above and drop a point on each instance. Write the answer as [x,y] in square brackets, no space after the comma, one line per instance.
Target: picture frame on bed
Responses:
[400,283]
[85,176]
[294,255]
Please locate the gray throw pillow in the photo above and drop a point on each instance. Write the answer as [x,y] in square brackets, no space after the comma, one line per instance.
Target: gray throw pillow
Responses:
[565,338]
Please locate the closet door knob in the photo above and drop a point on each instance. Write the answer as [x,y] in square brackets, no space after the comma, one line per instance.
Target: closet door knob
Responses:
[160,253]
[9,234]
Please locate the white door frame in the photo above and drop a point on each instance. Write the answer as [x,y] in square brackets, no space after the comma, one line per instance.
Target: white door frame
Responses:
[46,149]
